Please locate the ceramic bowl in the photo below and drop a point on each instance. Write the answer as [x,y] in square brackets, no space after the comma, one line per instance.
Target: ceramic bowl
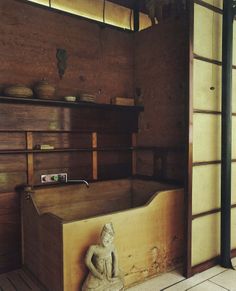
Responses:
[70,98]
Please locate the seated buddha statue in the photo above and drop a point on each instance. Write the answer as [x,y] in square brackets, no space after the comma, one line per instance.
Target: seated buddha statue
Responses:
[102,263]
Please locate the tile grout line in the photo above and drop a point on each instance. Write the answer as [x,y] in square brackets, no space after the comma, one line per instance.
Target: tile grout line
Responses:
[208,279]
[219,285]
[166,288]
[204,282]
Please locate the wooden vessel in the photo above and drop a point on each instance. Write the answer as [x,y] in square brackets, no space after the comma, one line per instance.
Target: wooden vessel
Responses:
[61,222]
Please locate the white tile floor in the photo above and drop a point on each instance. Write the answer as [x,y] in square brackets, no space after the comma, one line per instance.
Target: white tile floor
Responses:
[214,279]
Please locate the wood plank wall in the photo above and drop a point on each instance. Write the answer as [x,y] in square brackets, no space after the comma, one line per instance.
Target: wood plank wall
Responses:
[97,56]
[161,67]
[206,171]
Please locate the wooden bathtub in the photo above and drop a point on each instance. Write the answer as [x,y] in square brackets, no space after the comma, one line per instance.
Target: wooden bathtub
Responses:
[61,222]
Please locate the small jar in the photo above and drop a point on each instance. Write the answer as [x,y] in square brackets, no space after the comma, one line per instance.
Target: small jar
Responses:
[44,90]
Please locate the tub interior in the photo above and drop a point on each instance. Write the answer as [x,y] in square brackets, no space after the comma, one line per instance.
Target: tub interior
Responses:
[77,202]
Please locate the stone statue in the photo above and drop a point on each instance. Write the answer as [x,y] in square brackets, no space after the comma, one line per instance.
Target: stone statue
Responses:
[103,264]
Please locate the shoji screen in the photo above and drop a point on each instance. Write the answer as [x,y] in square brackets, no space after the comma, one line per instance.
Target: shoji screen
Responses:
[206,170]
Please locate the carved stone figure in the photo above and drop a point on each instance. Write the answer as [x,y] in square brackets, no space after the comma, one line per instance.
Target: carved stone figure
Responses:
[102,262]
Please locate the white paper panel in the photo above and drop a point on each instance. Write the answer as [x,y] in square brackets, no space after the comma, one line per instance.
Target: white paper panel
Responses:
[234,43]
[206,137]
[206,188]
[207,33]
[206,237]
[206,76]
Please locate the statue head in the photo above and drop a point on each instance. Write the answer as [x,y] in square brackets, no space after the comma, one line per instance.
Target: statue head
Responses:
[107,234]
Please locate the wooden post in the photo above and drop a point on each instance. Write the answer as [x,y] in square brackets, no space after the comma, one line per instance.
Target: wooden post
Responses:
[134,154]
[226,134]
[30,158]
[136,16]
[95,156]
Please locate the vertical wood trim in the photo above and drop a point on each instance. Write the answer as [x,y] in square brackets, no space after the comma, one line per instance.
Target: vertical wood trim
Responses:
[30,158]
[134,154]
[188,182]
[95,156]
[136,19]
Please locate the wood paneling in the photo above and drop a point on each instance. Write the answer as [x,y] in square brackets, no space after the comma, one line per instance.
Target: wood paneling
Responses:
[160,73]
[141,243]
[144,250]
[76,165]
[161,67]
[19,280]
[9,231]
[114,140]
[63,140]
[46,118]
[30,37]
[53,160]
[82,202]
[12,163]
[41,240]
[12,141]
[9,181]
[114,165]
[91,52]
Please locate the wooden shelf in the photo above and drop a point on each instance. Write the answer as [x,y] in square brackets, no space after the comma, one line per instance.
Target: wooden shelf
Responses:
[97,149]
[111,149]
[58,103]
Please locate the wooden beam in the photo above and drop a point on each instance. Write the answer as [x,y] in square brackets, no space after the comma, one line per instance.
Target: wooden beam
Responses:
[136,15]
[95,156]
[134,154]
[30,158]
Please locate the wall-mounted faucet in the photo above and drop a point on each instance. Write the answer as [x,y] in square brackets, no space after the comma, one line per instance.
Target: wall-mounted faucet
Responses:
[60,178]
[78,181]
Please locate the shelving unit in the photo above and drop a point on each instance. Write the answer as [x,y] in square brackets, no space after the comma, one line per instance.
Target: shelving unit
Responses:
[61,103]
[82,148]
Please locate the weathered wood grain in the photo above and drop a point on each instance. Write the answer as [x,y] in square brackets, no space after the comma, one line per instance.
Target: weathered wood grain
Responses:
[91,50]
[9,231]
[63,140]
[151,243]
[161,68]
[22,117]
[12,140]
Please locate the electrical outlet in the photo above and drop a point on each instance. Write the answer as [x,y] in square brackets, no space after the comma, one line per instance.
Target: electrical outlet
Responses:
[54,178]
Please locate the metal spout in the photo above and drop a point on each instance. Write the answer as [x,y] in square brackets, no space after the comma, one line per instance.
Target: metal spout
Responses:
[79,181]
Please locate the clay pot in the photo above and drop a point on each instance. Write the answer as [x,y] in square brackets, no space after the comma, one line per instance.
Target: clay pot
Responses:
[44,90]
[18,90]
